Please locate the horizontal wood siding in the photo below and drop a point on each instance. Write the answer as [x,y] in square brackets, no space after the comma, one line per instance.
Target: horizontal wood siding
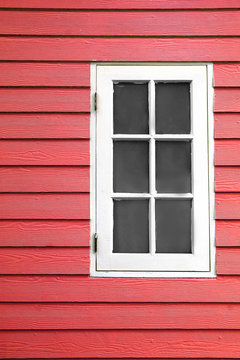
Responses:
[38,233]
[77,288]
[123,4]
[44,206]
[53,179]
[44,74]
[119,49]
[150,23]
[117,343]
[44,126]
[44,152]
[50,308]
[46,100]
[67,316]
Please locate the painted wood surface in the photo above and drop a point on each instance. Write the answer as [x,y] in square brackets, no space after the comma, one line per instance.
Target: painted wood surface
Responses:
[226,75]
[127,343]
[227,125]
[67,288]
[17,233]
[132,23]
[43,74]
[44,179]
[44,260]
[227,100]
[119,49]
[47,100]
[118,316]
[44,126]
[228,261]
[228,233]
[44,152]
[123,4]
[44,206]
[227,152]
[227,206]
[227,179]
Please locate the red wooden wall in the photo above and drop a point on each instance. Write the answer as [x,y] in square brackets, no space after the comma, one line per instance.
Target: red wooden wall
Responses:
[50,308]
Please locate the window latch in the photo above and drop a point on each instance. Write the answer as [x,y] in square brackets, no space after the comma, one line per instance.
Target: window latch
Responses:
[95,242]
[95,101]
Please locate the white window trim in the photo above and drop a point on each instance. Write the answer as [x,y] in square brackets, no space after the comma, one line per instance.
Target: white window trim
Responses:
[192,267]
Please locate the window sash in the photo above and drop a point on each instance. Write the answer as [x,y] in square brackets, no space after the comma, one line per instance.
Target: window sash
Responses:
[199,260]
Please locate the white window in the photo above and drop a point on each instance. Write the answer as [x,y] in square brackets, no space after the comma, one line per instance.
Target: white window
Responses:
[152,170]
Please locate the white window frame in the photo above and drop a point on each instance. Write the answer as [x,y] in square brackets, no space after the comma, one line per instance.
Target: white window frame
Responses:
[104,263]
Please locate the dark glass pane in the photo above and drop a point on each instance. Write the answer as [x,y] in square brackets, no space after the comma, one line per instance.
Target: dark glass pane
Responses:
[173,166]
[173,226]
[131,226]
[130,166]
[173,108]
[130,108]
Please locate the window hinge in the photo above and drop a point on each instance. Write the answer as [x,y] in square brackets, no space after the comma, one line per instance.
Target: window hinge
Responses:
[95,101]
[95,242]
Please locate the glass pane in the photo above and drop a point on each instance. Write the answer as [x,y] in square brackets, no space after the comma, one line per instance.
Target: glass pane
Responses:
[173,166]
[173,108]
[131,226]
[173,226]
[130,166]
[130,108]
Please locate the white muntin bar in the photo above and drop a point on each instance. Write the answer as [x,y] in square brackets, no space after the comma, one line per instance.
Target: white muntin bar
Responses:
[152,186]
[173,196]
[138,196]
[131,137]
[175,137]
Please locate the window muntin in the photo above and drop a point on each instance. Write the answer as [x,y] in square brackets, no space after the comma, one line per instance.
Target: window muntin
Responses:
[148,186]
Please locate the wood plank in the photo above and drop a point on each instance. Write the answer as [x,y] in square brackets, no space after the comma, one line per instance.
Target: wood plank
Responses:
[44,206]
[132,23]
[227,179]
[44,260]
[64,316]
[119,49]
[67,288]
[227,125]
[123,4]
[43,74]
[44,179]
[136,359]
[44,233]
[227,206]
[47,126]
[228,233]
[226,75]
[44,152]
[227,152]
[228,261]
[113,343]
[34,100]
[227,100]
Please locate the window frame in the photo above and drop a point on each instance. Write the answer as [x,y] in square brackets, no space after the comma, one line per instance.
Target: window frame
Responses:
[185,72]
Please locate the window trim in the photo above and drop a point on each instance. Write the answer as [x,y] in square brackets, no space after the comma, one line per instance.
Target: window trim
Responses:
[143,273]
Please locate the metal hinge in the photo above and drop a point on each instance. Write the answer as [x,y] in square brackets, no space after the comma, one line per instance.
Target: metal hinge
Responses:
[95,242]
[95,101]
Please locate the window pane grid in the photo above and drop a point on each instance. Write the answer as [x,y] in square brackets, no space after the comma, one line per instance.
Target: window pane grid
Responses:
[152,138]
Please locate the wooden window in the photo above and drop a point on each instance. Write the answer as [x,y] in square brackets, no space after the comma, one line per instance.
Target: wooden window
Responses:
[152,170]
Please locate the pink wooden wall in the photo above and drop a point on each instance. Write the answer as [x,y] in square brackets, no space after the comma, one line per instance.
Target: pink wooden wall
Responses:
[45,51]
